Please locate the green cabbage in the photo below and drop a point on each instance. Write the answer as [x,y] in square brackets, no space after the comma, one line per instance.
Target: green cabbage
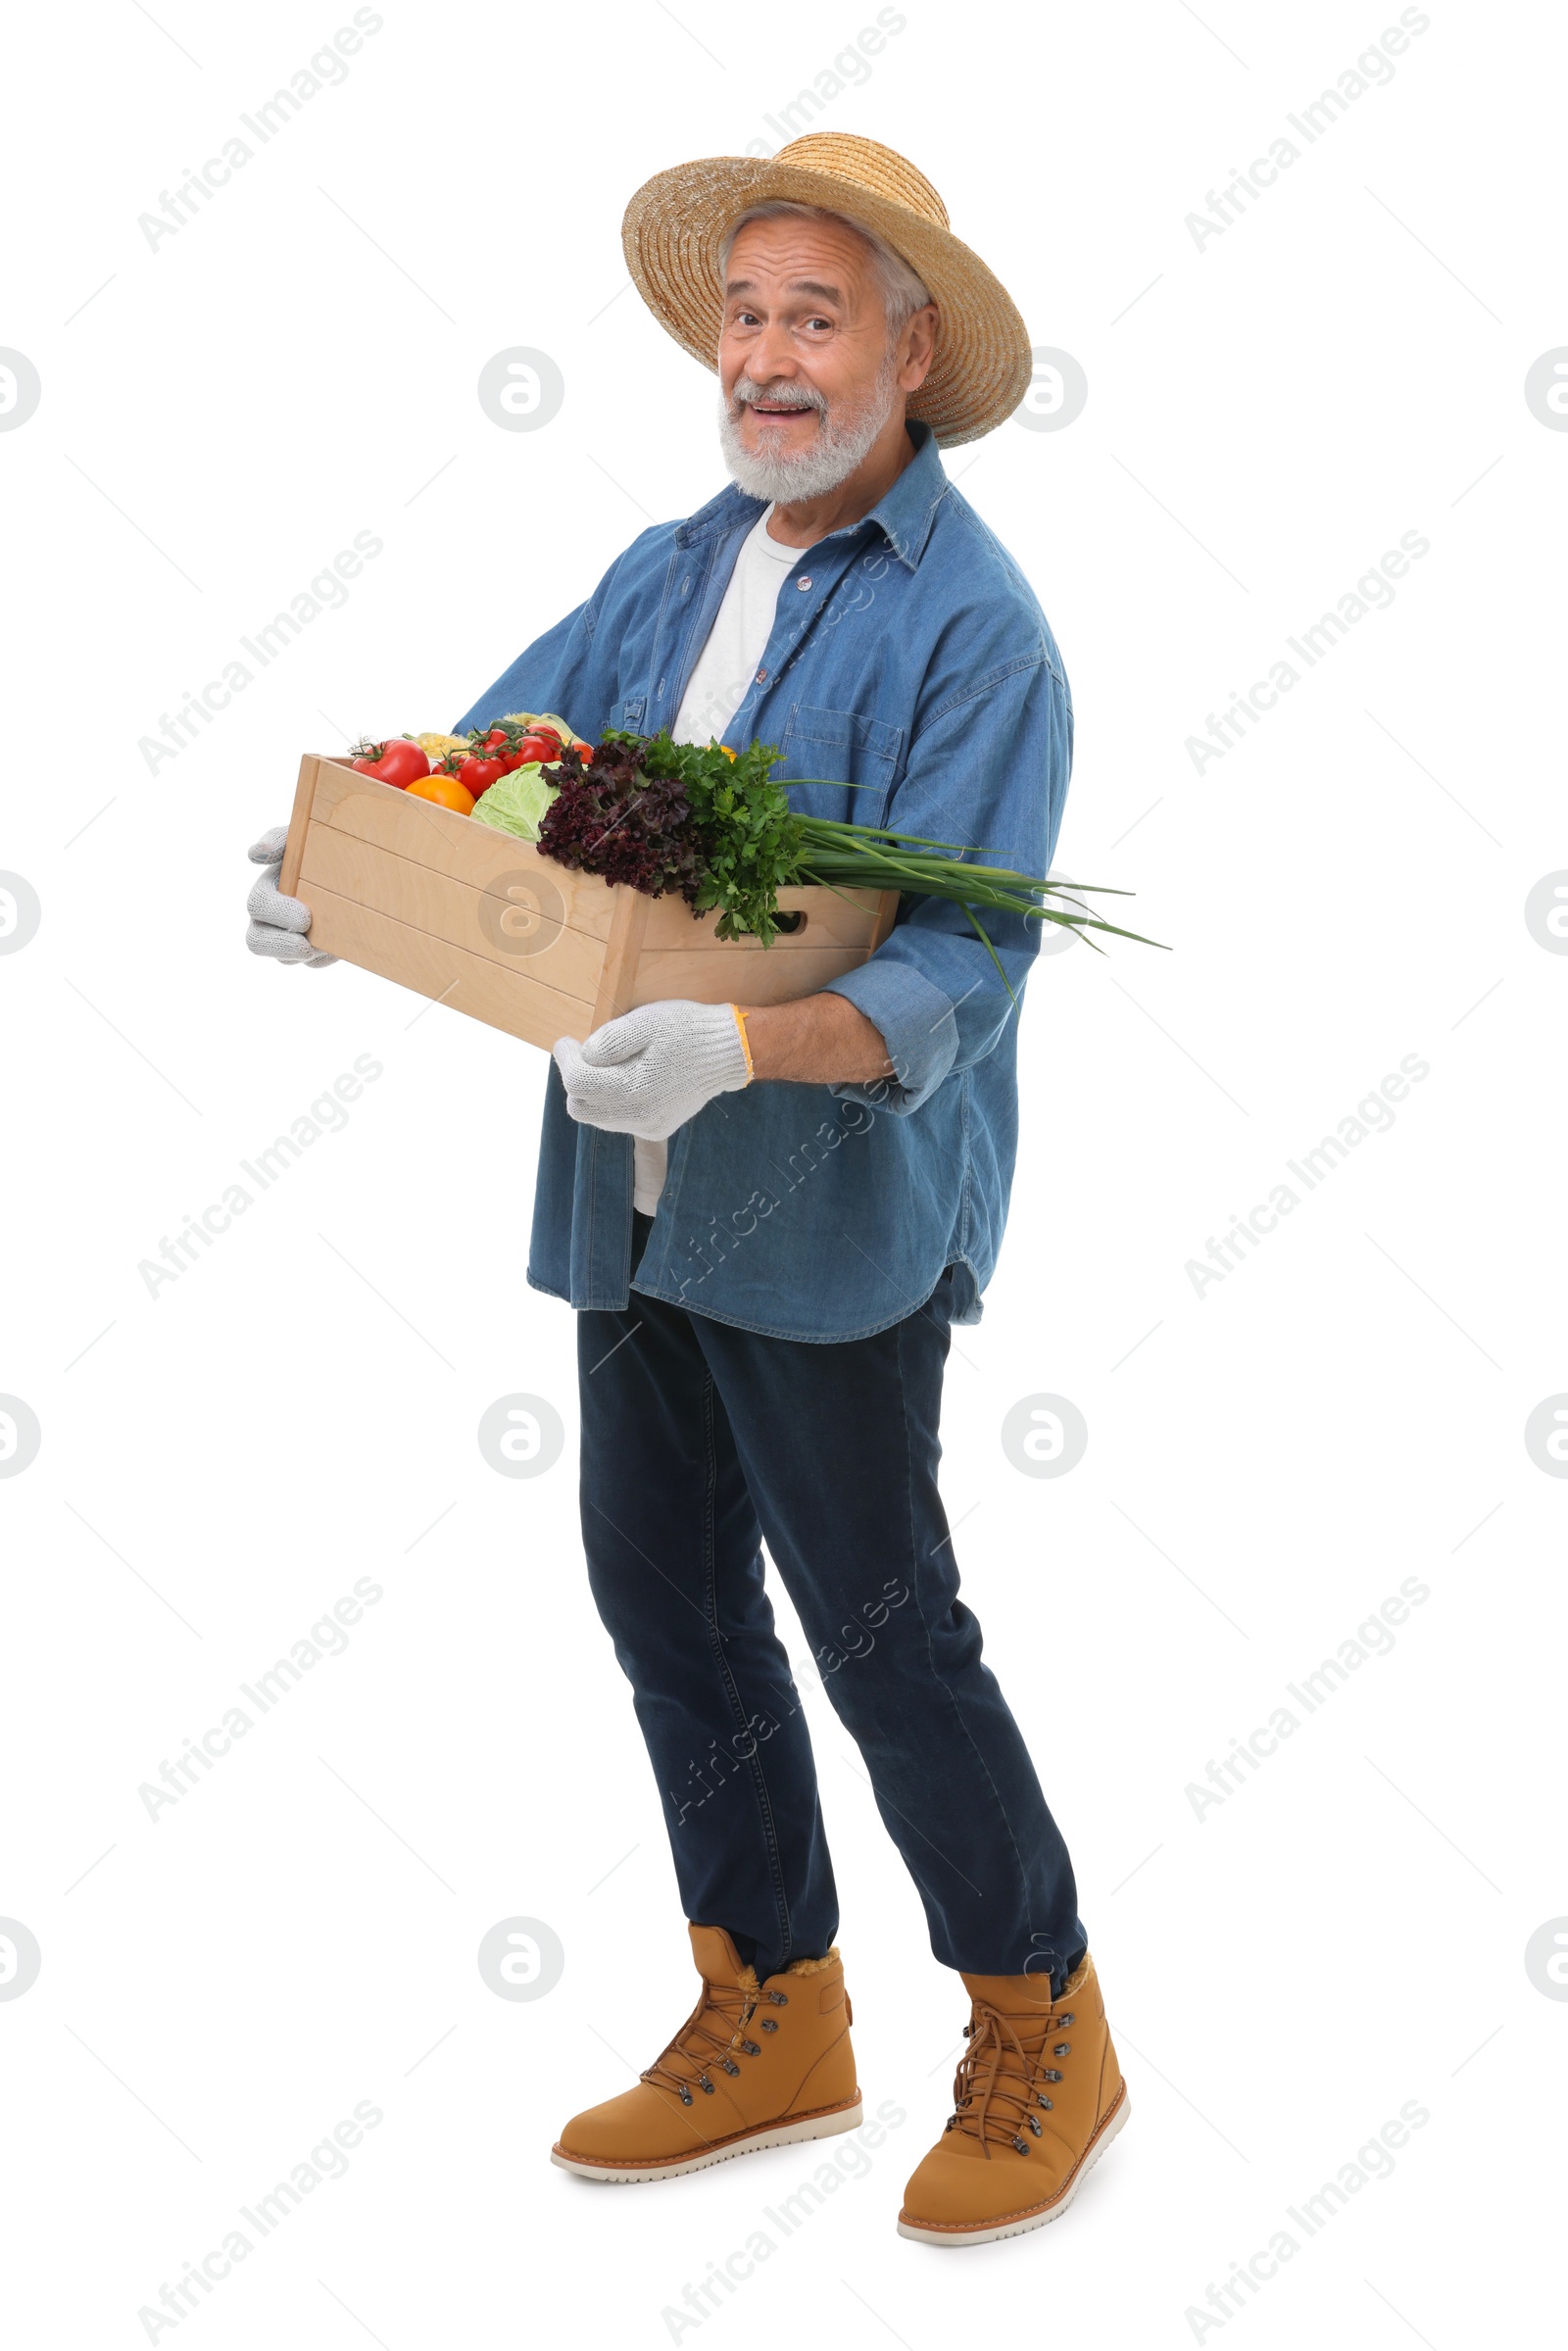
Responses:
[516,802]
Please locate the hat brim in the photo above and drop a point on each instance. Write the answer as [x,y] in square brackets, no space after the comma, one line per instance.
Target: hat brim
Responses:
[677,221]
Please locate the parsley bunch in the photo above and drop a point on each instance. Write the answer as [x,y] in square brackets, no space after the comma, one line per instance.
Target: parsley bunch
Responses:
[747,841]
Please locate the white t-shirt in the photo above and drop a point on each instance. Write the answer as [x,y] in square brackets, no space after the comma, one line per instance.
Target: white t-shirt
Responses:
[725,667]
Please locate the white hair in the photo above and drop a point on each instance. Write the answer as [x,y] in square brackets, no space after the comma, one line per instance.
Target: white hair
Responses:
[902,291]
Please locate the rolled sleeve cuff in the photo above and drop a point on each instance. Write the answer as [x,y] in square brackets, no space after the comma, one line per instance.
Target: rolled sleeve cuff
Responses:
[918,1027]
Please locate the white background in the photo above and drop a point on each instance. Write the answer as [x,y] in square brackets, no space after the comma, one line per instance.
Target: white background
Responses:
[1268,413]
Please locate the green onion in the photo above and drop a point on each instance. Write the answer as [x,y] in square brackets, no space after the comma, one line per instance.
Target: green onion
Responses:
[877,858]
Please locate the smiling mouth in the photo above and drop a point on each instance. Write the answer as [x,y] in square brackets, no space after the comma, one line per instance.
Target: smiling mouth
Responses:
[775,412]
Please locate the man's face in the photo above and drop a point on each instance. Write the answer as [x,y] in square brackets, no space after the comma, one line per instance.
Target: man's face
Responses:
[807,377]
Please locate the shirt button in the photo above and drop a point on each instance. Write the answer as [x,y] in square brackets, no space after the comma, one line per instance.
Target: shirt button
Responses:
[761,677]
[803,583]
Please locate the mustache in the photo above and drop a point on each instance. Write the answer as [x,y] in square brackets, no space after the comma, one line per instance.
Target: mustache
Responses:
[781,395]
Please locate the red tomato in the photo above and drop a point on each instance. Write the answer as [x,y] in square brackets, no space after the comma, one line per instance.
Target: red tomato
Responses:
[547,747]
[477,775]
[505,743]
[396,762]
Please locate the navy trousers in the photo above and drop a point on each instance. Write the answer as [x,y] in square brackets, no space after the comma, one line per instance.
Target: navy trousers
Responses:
[699,1441]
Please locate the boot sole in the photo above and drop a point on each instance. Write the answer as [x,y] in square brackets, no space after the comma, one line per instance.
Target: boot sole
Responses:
[1019,2223]
[825,2122]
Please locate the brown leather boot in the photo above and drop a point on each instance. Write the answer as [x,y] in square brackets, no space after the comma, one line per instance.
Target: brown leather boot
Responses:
[754,2065]
[1038,2098]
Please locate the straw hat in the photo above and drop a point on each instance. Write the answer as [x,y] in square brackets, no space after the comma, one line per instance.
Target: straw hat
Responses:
[677,221]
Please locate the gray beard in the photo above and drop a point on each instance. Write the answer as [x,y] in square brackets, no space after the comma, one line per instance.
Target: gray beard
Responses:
[841,444]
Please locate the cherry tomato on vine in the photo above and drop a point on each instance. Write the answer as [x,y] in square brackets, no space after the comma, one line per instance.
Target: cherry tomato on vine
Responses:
[477,775]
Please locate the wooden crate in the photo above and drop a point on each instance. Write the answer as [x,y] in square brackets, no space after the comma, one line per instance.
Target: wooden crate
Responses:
[479,920]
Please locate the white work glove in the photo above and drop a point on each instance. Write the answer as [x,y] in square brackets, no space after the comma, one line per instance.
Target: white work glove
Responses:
[648,1072]
[278,924]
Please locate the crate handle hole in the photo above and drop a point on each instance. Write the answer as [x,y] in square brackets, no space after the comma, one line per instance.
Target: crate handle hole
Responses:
[792,923]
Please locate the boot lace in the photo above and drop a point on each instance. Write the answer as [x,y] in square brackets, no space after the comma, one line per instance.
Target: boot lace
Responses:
[1002,2084]
[712,2037]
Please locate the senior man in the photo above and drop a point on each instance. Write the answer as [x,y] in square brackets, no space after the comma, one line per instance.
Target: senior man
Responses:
[768,1218]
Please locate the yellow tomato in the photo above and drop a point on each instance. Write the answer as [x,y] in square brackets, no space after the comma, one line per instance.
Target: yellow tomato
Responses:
[445,791]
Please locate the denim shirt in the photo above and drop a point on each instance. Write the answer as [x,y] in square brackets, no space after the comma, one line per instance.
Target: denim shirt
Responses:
[909,657]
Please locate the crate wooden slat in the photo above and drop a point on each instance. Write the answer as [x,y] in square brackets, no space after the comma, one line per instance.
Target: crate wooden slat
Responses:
[453,975]
[429,901]
[480,921]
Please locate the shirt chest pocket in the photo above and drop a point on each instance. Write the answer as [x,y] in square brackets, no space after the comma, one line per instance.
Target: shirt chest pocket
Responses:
[841,746]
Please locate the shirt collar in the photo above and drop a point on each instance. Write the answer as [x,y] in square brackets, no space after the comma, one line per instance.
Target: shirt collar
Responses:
[904,515]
